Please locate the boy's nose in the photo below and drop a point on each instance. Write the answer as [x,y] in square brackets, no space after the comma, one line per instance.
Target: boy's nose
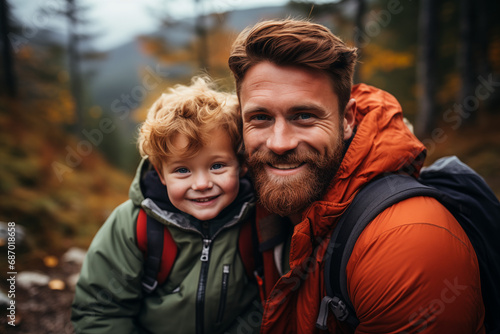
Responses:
[202,182]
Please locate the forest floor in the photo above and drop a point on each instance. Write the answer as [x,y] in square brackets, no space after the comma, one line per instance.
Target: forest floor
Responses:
[40,309]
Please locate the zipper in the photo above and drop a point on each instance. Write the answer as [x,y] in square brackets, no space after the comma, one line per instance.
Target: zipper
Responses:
[157,213]
[202,285]
[223,293]
[205,251]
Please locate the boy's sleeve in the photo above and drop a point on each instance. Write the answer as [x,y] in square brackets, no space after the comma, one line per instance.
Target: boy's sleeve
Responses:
[108,292]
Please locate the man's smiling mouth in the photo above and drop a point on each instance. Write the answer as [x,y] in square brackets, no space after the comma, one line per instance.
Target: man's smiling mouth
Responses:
[285,166]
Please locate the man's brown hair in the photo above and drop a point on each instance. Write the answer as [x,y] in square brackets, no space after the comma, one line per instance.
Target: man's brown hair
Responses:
[295,43]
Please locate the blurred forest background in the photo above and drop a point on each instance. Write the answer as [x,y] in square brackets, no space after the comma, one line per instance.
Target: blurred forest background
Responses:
[69,111]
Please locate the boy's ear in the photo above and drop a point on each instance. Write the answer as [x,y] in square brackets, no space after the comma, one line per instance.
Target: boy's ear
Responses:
[160,175]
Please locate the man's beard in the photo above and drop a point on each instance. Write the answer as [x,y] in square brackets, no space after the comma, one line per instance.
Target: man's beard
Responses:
[289,194]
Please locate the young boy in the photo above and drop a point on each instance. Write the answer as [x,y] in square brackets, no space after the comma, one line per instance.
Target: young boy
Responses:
[190,180]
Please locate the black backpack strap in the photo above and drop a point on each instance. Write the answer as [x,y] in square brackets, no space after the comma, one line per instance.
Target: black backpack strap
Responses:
[374,198]
[153,258]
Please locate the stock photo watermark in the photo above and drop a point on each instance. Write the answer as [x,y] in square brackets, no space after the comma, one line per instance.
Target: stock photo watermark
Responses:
[251,321]
[455,116]
[471,103]
[36,22]
[427,314]
[11,273]
[122,108]
[376,22]
[116,284]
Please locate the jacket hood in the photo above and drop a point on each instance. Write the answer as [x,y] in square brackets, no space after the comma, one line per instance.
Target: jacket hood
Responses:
[382,143]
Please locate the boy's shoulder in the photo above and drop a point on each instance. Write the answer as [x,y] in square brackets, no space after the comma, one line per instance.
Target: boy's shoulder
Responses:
[127,208]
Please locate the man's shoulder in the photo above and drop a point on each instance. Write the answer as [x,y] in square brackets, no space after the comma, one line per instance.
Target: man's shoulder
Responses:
[411,215]
[405,258]
[409,227]
[419,232]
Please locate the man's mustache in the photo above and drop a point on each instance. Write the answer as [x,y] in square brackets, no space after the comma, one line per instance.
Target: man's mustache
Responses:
[291,158]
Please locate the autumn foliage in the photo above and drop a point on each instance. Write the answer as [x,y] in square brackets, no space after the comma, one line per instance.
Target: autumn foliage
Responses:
[57,211]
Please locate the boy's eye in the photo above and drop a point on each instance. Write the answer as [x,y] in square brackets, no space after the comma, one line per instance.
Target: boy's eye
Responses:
[182,170]
[217,166]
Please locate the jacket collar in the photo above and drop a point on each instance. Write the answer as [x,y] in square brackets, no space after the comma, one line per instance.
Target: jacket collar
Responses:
[382,144]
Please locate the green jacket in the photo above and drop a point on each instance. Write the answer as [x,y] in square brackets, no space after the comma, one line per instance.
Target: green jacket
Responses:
[109,296]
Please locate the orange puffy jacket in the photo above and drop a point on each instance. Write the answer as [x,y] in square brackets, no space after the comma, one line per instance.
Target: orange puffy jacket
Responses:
[413,269]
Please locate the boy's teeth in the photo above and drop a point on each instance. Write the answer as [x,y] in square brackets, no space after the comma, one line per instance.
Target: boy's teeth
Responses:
[204,199]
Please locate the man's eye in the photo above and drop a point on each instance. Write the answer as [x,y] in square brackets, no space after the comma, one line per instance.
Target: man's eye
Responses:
[182,170]
[217,166]
[304,116]
[260,117]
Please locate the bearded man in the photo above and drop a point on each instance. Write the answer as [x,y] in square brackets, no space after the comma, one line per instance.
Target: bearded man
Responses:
[312,141]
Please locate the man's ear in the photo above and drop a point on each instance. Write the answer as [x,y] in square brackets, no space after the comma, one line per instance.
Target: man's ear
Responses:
[243,170]
[160,175]
[349,118]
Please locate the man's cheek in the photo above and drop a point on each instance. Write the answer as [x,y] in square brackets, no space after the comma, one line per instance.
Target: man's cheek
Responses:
[252,140]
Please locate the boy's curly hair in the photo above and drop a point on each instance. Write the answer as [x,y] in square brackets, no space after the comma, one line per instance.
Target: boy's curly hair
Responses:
[194,111]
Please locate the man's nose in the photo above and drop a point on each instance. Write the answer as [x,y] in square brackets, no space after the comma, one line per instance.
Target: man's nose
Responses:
[202,182]
[282,138]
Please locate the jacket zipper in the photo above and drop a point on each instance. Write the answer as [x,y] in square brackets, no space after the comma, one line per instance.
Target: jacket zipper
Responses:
[157,213]
[202,285]
[223,293]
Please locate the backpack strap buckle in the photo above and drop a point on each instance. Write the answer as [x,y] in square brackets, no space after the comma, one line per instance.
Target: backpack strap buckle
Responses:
[338,307]
[149,286]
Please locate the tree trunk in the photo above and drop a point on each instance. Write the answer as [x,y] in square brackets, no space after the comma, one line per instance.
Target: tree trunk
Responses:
[426,67]
[74,66]
[483,36]
[358,23]
[466,63]
[202,36]
[7,56]
[485,14]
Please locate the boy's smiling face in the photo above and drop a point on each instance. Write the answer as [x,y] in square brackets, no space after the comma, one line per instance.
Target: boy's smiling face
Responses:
[205,184]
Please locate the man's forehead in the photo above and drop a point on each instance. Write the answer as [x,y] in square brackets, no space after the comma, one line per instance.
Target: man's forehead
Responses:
[266,76]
